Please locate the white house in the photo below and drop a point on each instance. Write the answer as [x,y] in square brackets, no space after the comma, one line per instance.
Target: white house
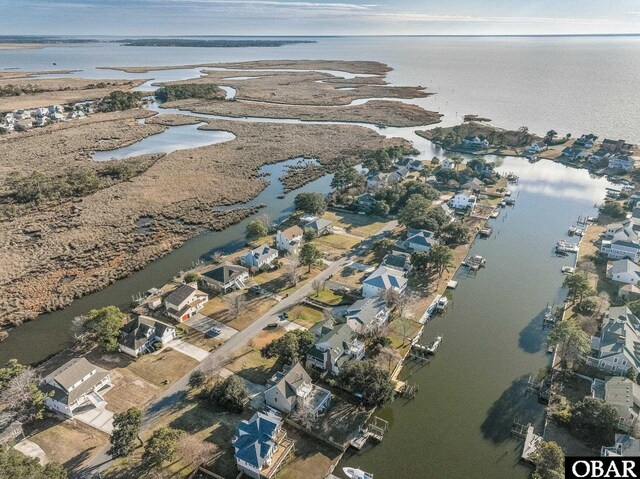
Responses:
[621,248]
[474,143]
[625,445]
[366,315]
[617,347]
[140,334]
[260,257]
[623,162]
[74,384]
[382,280]
[447,164]
[537,147]
[419,240]
[256,442]
[623,271]
[292,388]
[335,345]
[289,240]
[463,200]
[184,301]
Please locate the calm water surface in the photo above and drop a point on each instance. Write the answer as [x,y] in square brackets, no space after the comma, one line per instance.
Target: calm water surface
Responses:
[458,425]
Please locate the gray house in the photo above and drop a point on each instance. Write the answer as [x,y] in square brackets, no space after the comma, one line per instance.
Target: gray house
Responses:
[292,388]
[335,345]
[226,277]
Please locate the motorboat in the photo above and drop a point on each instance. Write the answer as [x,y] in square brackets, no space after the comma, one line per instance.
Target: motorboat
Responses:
[442,303]
[433,346]
[353,473]
[568,269]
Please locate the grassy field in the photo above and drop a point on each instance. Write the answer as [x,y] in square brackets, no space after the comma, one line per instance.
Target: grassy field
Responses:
[249,364]
[255,306]
[129,390]
[359,225]
[311,458]
[167,365]
[327,296]
[350,277]
[335,245]
[304,315]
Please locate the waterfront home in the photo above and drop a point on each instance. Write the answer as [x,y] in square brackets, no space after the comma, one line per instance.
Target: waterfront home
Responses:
[623,162]
[623,394]
[41,112]
[320,227]
[474,143]
[367,315]
[335,345]
[627,230]
[447,164]
[625,446]
[383,279]
[292,388]
[616,349]
[399,174]
[600,157]
[289,240]
[139,335]
[261,257]
[226,277]
[419,240]
[398,260]
[410,163]
[184,301]
[623,271]
[586,141]
[381,180]
[616,146]
[537,147]
[483,170]
[575,153]
[463,200]
[619,248]
[476,185]
[74,384]
[256,443]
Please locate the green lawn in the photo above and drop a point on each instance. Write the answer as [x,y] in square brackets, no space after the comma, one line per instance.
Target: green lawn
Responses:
[250,365]
[327,296]
[359,225]
[304,315]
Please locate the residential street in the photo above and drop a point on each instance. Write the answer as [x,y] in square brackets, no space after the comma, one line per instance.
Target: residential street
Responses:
[100,460]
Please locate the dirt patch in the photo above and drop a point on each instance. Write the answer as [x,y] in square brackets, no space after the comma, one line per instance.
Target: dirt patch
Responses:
[129,390]
[167,365]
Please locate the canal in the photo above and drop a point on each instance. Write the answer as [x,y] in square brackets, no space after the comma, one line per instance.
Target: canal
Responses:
[470,393]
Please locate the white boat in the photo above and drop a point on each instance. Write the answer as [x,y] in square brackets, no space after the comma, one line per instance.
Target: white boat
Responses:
[494,214]
[433,346]
[475,262]
[353,473]
[568,269]
[565,246]
[442,303]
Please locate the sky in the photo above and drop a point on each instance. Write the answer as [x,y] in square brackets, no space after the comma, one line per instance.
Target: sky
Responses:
[318,17]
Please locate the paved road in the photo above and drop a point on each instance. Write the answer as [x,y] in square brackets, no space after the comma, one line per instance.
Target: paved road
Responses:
[172,395]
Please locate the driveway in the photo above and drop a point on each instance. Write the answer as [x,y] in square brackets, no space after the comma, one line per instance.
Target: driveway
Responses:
[31,449]
[98,417]
[187,349]
[204,323]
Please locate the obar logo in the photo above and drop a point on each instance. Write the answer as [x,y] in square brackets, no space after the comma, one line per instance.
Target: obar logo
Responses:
[601,467]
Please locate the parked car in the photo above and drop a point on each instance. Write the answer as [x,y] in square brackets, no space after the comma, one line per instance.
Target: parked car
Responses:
[213,332]
[271,326]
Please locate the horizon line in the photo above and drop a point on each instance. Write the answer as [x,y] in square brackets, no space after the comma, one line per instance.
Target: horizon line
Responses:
[35,36]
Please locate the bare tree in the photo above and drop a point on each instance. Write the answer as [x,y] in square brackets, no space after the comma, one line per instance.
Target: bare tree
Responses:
[217,256]
[214,363]
[387,358]
[193,450]
[265,220]
[317,285]
[292,273]
[403,326]
[391,296]
[17,397]
[304,415]
[237,304]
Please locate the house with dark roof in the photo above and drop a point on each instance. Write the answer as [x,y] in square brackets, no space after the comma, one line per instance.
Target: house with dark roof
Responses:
[474,143]
[383,279]
[75,384]
[184,301]
[474,185]
[290,239]
[260,444]
[225,277]
[140,334]
[292,388]
[617,348]
[259,257]
[420,240]
[335,345]
[398,260]
[367,315]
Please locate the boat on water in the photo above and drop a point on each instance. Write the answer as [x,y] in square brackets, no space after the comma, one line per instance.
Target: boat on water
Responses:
[353,473]
[572,230]
[568,269]
[475,262]
[494,214]
[442,303]
[566,247]
[433,346]
[551,350]
[549,315]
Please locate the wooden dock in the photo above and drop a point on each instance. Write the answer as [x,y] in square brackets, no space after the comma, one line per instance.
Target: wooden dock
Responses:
[374,431]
